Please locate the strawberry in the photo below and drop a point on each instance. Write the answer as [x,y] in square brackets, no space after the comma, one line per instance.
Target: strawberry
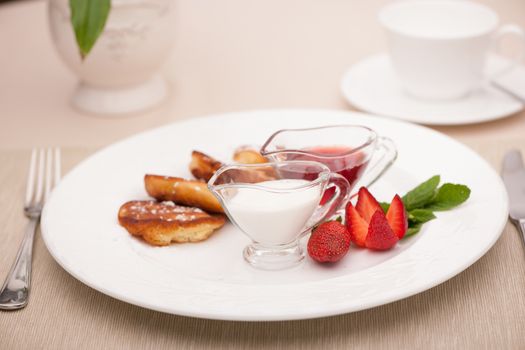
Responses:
[397,217]
[329,242]
[368,225]
[380,235]
[366,205]
[356,225]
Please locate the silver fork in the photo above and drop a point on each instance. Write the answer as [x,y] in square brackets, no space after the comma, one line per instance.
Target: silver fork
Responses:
[44,174]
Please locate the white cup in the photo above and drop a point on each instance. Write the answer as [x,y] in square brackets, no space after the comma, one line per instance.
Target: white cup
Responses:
[438,48]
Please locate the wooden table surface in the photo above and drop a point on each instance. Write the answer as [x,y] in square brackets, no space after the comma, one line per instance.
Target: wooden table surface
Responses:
[228,56]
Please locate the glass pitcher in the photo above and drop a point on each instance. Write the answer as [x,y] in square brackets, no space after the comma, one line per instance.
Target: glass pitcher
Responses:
[275,204]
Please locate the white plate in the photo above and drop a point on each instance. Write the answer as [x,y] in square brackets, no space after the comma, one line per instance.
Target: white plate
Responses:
[372,86]
[211,279]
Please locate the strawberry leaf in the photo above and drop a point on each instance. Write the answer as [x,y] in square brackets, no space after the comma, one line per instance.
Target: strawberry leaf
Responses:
[339,219]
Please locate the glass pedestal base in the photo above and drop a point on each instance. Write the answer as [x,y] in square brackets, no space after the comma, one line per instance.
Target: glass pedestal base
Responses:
[274,258]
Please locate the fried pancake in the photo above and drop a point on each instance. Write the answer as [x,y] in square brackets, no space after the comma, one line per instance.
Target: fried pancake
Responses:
[203,166]
[248,155]
[184,192]
[162,223]
[252,176]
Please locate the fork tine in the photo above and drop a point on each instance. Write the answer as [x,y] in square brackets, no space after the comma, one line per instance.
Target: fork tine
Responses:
[58,166]
[40,176]
[30,186]
[48,178]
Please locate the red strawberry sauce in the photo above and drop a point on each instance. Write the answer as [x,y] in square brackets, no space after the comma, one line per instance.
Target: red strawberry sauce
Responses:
[338,159]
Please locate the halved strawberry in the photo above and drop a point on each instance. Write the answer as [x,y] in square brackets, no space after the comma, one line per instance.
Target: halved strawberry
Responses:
[397,217]
[356,225]
[380,235]
[366,205]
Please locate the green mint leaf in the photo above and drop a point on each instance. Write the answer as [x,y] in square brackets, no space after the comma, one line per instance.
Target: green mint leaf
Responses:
[449,196]
[413,230]
[420,215]
[384,206]
[88,18]
[422,194]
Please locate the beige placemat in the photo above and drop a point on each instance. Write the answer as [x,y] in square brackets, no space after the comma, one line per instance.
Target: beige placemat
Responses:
[483,307]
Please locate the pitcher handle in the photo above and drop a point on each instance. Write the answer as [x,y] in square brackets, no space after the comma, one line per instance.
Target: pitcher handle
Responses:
[376,168]
[330,208]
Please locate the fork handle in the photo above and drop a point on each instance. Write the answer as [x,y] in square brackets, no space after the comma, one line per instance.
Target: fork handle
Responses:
[15,291]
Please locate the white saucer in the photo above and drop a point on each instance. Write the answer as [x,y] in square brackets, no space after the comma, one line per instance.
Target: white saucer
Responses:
[371,85]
